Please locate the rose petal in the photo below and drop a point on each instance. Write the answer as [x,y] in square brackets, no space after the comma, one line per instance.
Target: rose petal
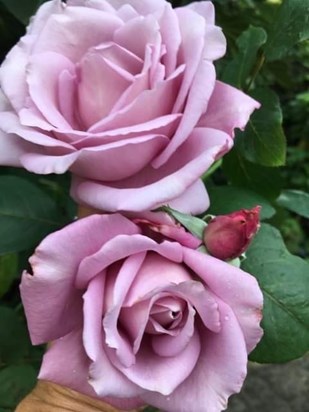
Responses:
[54,265]
[218,373]
[237,288]
[135,153]
[156,373]
[120,247]
[45,94]
[100,86]
[93,339]
[165,184]
[59,34]
[228,108]
[114,339]
[197,101]
[69,351]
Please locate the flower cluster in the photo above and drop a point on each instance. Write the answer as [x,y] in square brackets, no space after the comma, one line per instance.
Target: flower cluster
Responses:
[124,96]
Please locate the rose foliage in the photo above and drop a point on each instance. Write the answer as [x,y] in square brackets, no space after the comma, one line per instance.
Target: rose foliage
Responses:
[137,319]
[131,107]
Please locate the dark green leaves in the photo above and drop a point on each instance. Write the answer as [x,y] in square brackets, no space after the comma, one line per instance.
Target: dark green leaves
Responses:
[249,42]
[290,27]
[22,10]
[15,383]
[8,270]
[284,280]
[296,201]
[227,199]
[27,214]
[266,181]
[14,342]
[263,141]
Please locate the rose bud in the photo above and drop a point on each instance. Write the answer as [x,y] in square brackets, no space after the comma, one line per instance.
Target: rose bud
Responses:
[228,236]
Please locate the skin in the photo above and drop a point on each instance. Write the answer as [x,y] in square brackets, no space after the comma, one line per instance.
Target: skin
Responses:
[49,397]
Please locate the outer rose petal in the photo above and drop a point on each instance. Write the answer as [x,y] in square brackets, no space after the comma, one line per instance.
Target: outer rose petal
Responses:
[228,109]
[164,184]
[55,265]
[69,351]
[235,287]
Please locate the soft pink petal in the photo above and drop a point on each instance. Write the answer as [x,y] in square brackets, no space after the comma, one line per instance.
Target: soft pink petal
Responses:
[54,264]
[156,373]
[59,33]
[152,188]
[67,351]
[121,247]
[114,339]
[45,94]
[142,7]
[157,272]
[104,377]
[118,160]
[219,371]
[137,33]
[194,200]
[43,13]
[163,125]
[67,364]
[148,105]
[237,288]
[66,90]
[171,38]
[10,124]
[12,147]
[229,108]
[197,101]
[215,43]
[43,164]
[167,346]
[206,9]
[100,85]
[190,51]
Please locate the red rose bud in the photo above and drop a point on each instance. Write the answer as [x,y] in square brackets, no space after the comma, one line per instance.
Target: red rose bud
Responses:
[228,236]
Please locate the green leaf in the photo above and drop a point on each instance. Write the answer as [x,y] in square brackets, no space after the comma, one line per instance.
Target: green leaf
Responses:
[16,381]
[227,199]
[263,141]
[8,271]
[296,201]
[290,27]
[14,340]
[284,280]
[249,42]
[193,224]
[266,181]
[27,214]
[22,10]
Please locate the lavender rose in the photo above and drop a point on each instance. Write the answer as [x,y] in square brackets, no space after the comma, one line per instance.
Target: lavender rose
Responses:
[138,321]
[124,95]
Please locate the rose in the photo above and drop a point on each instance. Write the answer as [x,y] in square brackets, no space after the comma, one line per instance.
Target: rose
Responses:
[228,236]
[138,321]
[124,95]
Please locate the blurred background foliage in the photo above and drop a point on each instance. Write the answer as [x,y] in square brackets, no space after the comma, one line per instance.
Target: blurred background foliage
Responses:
[267,57]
